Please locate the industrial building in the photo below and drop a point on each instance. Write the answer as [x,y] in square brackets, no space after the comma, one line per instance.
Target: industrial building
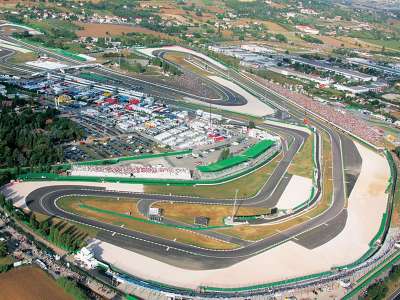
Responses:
[326,66]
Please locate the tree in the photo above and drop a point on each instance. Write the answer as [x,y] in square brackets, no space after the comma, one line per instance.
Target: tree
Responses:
[2,200]
[377,291]
[52,233]
[224,154]
[33,222]
[252,124]
[3,249]
[397,151]
[281,38]
[45,227]
[71,288]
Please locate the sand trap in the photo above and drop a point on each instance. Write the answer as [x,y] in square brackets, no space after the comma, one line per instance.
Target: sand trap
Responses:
[46,64]
[296,192]
[19,190]
[149,52]
[367,203]
[253,107]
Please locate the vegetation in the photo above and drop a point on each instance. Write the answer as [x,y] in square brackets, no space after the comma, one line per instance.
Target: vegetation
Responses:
[57,34]
[124,212]
[72,288]
[379,290]
[33,138]
[376,291]
[3,249]
[311,39]
[69,238]
[166,66]
[186,213]
[302,164]
[281,38]
[224,154]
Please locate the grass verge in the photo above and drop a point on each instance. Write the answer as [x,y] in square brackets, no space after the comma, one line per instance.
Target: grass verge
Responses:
[302,164]
[186,212]
[180,235]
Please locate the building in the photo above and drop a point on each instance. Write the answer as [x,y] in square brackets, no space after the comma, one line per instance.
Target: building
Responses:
[155,211]
[87,259]
[391,69]
[361,89]
[257,48]
[201,221]
[326,66]
[307,29]
[323,82]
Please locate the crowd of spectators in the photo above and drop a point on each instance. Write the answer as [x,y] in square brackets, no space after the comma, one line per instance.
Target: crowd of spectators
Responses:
[336,115]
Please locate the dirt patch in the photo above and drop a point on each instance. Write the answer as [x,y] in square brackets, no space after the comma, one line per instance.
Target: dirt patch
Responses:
[170,233]
[30,283]
[392,97]
[273,27]
[186,212]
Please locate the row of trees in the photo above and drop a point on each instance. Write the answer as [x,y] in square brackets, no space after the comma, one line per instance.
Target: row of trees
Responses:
[68,238]
[311,39]
[167,67]
[33,138]
[61,234]
[3,253]
[71,288]
[225,153]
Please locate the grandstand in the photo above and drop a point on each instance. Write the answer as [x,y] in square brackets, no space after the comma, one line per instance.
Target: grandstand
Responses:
[131,172]
[251,153]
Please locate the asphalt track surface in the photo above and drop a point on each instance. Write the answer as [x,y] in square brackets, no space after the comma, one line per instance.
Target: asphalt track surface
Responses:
[44,200]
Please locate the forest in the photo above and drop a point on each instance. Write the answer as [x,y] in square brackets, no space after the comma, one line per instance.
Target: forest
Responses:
[29,138]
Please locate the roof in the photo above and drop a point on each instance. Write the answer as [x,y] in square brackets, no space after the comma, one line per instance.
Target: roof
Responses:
[258,148]
[201,220]
[223,164]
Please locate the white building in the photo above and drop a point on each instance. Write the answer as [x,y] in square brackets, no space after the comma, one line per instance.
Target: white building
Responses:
[87,259]
[307,29]
[256,48]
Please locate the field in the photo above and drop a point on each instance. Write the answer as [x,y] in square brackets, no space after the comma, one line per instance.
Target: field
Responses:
[186,212]
[248,185]
[388,44]
[126,206]
[122,205]
[179,58]
[103,30]
[19,58]
[30,283]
